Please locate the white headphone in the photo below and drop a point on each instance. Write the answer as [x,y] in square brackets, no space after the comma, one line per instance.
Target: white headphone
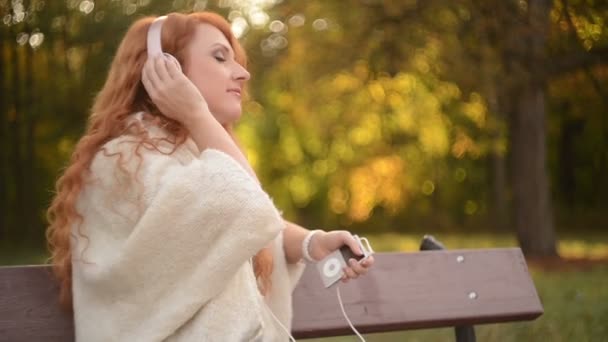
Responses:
[155,42]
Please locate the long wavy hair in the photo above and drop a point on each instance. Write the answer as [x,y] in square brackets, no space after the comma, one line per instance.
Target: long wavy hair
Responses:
[123,94]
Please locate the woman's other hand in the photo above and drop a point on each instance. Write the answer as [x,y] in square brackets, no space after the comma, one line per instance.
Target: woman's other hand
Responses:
[324,243]
[172,92]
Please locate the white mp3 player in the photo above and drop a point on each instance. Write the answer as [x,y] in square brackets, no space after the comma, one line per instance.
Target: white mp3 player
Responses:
[331,267]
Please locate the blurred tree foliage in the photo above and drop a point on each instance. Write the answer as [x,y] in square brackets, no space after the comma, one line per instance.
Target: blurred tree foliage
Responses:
[368,114]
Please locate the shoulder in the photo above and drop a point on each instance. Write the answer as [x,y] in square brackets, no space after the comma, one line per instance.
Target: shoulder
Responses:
[144,144]
[126,161]
[133,155]
[139,157]
[127,155]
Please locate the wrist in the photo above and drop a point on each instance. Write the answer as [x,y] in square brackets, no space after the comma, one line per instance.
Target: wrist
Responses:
[197,116]
[307,248]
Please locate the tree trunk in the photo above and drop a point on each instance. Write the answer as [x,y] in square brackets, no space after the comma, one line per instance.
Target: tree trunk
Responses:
[499,195]
[14,128]
[31,221]
[532,206]
[3,141]
[571,130]
[498,174]
[494,87]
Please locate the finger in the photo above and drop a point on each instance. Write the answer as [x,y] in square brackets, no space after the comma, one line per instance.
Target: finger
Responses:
[367,263]
[145,80]
[151,73]
[345,278]
[350,273]
[358,268]
[350,241]
[160,66]
[173,67]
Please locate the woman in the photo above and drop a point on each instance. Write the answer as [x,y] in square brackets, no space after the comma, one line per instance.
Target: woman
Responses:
[160,229]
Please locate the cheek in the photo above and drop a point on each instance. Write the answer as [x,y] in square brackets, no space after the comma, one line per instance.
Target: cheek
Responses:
[209,82]
[212,81]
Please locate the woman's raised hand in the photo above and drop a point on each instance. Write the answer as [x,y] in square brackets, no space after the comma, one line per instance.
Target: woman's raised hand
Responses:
[172,92]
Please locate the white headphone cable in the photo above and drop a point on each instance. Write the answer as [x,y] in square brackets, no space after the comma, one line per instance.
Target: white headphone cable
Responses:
[346,316]
[282,326]
[292,339]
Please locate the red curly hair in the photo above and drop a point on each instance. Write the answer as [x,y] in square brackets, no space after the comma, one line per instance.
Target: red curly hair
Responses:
[123,94]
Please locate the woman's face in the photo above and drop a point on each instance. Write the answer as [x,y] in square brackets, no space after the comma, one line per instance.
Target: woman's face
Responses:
[214,71]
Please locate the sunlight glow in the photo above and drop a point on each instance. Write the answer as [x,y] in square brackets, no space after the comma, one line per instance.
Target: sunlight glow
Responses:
[36,39]
[239,27]
[86,6]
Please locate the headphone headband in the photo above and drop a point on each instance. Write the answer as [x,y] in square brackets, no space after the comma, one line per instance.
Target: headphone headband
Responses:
[154,37]
[155,42]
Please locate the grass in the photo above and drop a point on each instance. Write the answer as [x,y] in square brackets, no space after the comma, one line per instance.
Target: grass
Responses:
[575,299]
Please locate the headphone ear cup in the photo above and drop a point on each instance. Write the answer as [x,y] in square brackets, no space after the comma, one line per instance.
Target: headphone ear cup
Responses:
[173,59]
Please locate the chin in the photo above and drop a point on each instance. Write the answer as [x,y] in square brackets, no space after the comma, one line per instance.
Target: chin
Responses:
[229,118]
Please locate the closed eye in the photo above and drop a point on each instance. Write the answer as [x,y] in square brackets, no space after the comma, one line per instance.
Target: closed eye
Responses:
[220,59]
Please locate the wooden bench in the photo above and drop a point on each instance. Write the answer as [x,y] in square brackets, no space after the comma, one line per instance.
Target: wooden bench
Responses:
[428,289]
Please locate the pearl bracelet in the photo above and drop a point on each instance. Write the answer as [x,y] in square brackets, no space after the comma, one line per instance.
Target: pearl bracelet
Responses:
[306,246]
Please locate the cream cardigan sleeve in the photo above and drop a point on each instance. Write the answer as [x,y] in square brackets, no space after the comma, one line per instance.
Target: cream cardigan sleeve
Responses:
[198,222]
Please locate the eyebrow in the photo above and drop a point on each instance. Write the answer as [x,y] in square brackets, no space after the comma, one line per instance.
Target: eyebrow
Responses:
[223,47]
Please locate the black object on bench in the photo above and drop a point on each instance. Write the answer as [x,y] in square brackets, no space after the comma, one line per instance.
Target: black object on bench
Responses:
[428,289]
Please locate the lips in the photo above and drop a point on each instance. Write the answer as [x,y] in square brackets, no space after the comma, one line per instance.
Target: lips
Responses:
[236,91]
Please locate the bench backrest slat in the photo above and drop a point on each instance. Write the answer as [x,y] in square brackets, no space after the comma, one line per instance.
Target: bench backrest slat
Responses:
[29,307]
[421,290]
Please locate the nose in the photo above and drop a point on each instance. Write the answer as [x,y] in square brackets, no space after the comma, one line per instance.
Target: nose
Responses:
[240,73]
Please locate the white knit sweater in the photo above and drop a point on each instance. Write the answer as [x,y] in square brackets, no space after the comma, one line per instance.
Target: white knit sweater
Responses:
[167,257]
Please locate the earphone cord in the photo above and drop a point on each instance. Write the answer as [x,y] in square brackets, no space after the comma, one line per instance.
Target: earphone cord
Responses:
[282,326]
[345,316]
[343,312]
